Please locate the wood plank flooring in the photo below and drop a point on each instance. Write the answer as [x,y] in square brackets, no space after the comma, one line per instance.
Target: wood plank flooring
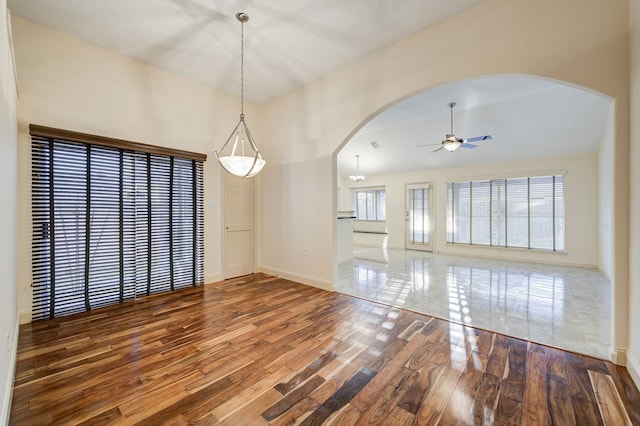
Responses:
[262,350]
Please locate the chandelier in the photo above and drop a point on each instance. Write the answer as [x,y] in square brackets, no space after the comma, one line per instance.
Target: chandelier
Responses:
[357,177]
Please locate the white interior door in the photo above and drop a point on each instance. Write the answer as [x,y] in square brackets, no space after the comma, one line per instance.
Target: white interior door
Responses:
[238,256]
[418,216]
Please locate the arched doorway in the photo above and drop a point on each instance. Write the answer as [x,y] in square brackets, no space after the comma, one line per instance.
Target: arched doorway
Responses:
[540,128]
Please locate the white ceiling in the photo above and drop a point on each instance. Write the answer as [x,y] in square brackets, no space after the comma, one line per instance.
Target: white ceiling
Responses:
[527,118]
[289,43]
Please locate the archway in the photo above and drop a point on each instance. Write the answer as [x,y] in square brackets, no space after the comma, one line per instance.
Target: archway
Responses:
[539,127]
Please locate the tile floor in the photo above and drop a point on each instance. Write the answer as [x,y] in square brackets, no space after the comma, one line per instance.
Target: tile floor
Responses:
[564,307]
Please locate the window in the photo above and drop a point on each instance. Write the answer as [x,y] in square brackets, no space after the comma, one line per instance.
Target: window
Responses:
[370,203]
[520,212]
[419,215]
[111,224]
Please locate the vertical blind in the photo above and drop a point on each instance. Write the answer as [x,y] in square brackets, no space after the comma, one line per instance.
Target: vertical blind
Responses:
[523,212]
[111,224]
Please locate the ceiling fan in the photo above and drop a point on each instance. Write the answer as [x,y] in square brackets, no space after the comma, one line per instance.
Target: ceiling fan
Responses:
[451,143]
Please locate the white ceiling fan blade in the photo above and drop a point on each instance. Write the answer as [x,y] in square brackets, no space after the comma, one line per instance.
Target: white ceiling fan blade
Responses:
[427,144]
[468,146]
[478,138]
[436,150]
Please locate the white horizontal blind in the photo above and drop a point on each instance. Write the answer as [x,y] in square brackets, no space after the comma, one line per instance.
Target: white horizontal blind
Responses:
[517,195]
[459,210]
[541,213]
[519,212]
[558,212]
[418,215]
[111,224]
[498,212]
[480,212]
[370,204]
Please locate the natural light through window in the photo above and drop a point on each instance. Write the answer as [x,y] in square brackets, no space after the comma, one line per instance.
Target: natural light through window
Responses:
[523,212]
[370,203]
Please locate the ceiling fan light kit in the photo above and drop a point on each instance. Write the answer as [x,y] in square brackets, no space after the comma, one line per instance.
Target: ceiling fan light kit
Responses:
[242,158]
[451,143]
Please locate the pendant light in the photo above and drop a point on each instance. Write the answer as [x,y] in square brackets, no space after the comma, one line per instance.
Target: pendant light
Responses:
[357,177]
[242,157]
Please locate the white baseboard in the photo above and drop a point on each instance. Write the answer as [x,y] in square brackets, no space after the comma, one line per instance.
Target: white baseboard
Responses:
[619,357]
[302,279]
[603,272]
[8,391]
[512,254]
[24,317]
[633,366]
[212,279]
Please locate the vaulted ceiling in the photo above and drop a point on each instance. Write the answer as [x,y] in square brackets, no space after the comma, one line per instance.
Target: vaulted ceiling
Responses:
[291,43]
[288,43]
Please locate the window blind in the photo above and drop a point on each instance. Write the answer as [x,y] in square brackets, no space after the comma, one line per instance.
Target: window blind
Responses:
[518,212]
[111,224]
[523,212]
[419,214]
[461,208]
[480,212]
[370,203]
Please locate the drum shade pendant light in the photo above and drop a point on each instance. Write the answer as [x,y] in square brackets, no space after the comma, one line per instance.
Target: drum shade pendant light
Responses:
[241,157]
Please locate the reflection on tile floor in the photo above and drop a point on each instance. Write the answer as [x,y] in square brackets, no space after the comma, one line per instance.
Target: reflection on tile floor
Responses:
[565,307]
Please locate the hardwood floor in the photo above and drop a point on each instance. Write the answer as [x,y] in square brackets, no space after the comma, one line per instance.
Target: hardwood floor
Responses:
[263,350]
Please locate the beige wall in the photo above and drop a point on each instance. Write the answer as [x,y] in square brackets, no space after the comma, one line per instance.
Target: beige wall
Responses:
[72,85]
[606,177]
[8,220]
[581,206]
[579,42]
[634,300]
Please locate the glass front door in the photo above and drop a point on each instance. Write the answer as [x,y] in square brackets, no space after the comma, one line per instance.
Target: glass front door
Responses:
[418,216]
